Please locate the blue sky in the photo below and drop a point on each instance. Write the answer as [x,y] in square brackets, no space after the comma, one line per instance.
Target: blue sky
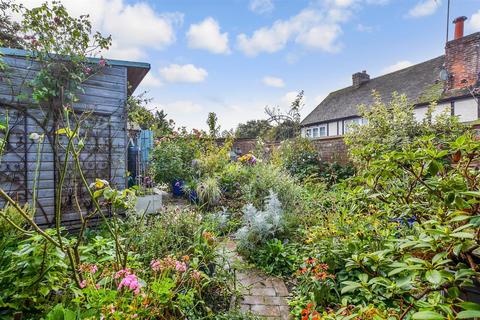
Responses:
[234,57]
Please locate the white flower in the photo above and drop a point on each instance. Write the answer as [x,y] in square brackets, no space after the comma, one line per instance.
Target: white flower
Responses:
[34,136]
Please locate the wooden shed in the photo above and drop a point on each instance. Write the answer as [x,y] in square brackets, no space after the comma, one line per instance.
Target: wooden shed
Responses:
[103,97]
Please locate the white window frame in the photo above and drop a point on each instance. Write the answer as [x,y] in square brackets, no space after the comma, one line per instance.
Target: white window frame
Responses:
[308,133]
[324,127]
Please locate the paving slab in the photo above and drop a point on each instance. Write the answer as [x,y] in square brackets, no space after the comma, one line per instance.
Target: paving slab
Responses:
[262,295]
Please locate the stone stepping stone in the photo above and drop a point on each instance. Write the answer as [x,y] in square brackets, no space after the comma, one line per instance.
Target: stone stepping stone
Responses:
[262,295]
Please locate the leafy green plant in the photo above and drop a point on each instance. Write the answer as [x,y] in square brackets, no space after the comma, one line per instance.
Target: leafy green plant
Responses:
[208,191]
[276,258]
[299,157]
[172,158]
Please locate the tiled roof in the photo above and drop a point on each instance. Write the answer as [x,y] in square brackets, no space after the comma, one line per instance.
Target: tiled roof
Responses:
[419,83]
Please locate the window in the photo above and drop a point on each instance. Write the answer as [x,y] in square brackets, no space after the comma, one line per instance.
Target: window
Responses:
[322,131]
[315,133]
[309,133]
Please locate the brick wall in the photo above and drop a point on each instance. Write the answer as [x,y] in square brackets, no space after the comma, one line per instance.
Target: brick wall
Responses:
[330,149]
[462,61]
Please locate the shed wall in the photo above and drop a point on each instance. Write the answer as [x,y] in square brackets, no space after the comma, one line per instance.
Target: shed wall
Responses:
[104,156]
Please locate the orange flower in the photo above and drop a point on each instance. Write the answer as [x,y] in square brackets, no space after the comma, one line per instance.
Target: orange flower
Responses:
[302,270]
[310,260]
[186,258]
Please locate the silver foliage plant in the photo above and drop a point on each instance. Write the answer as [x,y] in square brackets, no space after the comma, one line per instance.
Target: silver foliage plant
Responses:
[260,226]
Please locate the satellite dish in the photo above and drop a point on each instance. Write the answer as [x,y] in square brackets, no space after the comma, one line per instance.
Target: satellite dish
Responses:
[443,75]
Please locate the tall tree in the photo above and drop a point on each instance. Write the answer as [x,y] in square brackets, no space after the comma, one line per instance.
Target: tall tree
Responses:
[253,129]
[212,121]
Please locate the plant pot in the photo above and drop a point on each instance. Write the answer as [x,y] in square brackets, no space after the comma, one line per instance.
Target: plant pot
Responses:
[177,188]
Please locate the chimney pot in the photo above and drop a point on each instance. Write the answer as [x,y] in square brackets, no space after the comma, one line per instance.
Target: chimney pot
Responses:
[459,27]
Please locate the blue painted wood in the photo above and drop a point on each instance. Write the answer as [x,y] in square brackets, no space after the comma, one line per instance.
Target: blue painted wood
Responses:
[104,93]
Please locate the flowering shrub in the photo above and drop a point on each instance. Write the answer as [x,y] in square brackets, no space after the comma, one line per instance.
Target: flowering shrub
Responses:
[248,159]
[402,241]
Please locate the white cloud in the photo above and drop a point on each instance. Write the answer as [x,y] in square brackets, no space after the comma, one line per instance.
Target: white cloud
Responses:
[273,82]
[474,21]
[134,27]
[151,81]
[261,6]
[305,28]
[424,8]
[397,66]
[206,35]
[183,73]
[182,107]
[321,37]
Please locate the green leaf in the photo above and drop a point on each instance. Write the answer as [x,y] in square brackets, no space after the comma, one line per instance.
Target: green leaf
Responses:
[470,306]
[439,256]
[427,315]
[396,271]
[352,286]
[468,314]
[434,276]
[463,235]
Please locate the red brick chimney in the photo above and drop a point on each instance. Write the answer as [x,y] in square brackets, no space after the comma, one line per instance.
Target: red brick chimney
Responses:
[462,58]
[459,27]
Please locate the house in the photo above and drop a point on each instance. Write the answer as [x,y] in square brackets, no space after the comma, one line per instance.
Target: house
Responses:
[104,156]
[452,80]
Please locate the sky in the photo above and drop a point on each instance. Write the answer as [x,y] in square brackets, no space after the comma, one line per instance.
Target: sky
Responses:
[234,57]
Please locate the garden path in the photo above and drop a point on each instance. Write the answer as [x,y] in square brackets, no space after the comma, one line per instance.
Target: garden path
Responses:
[262,295]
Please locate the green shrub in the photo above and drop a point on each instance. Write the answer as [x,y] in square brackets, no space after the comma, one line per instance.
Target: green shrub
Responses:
[276,258]
[403,237]
[265,177]
[391,126]
[299,157]
[35,275]
[173,156]
[171,232]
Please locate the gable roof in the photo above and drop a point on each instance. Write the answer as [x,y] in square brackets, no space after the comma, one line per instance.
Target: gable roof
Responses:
[136,71]
[418,83]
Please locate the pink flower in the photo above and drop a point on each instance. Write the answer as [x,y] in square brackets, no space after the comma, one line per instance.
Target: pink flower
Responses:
[102,62]
[130,282]
[155,265]
[93,268]
[196,275]
[97,286]
[112,308]
[83,284]
[122,273]
[180,266]
[135,316]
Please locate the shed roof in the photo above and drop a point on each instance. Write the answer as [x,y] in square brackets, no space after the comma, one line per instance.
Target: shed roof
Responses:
[136,71]
[419,83]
